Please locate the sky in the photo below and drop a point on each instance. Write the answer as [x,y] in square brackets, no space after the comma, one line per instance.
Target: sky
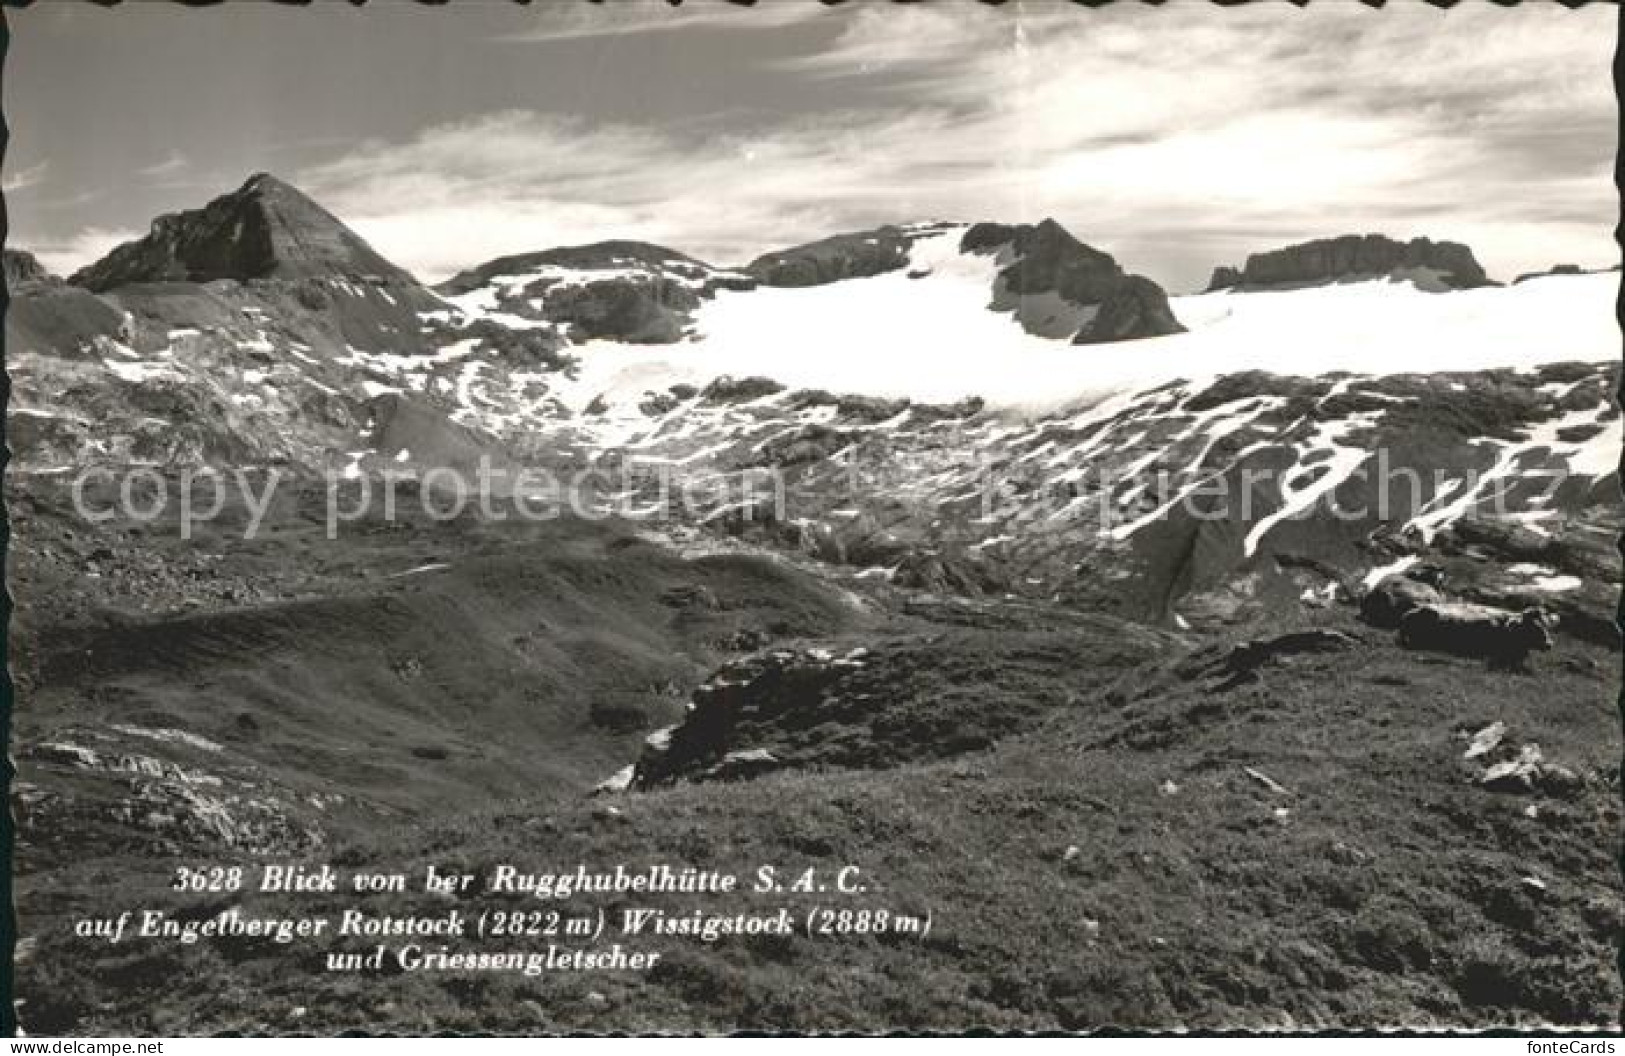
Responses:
[1176,138]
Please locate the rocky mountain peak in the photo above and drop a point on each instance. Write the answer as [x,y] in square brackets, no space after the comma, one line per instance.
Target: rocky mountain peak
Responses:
[1431,265]
[1048,258]
[1048,264]
[266,229]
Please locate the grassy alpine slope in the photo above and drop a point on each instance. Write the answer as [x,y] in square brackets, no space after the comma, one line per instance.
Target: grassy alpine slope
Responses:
[1106,860]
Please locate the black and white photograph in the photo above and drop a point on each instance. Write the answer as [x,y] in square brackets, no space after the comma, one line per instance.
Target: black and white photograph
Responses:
[655,518]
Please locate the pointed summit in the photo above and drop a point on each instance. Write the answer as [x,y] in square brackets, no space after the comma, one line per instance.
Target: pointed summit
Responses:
[266,229]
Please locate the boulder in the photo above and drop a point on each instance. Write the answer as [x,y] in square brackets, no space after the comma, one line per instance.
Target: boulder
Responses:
[741,765]
[1517,775]
[1486,740]
[1388,602]
[1503,638]
[728,389]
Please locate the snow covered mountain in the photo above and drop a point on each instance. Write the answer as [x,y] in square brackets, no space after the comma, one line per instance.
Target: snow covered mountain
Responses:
[931,399]
[966,523]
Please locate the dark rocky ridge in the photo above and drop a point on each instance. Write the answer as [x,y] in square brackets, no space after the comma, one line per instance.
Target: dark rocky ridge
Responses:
[1049,260]
[856,255]
[615,253]
[646,295]
[1438,265]
[1054,285]
[1562,269]
[263,230]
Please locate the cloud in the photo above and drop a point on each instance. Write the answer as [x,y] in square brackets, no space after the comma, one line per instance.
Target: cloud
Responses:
[616,18]
[65,201]
[895,39]
[461,193]
[1480,120]
[173,165]
[65,256]
[32,176]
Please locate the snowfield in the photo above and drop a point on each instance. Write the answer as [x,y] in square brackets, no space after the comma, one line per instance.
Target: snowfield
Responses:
[933,338]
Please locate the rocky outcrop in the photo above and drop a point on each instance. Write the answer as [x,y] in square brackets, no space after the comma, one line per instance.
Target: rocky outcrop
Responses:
[158,802]
[756,691]
[1243,663]
[23,269]
[728,389]
[893,699]
[639,311]
[1047,259]
[1056,286]
[1432,265]
[1386,604]
[1137,307]
[857,255]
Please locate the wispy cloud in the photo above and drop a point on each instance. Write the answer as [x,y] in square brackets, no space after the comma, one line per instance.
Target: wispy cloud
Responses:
[616,18]
[32,176]
[516,181]
[172,165]
[65,201]
[1301,123]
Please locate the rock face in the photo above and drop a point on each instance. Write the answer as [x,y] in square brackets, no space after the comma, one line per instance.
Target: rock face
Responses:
[263,230]
[24,269]
[1057,286]
[1137,307]
[1047,259]
[617,291]
[1434,265]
